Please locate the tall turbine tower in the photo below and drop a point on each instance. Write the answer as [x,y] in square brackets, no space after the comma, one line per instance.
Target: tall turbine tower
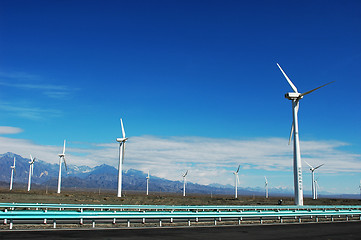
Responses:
[312,169]
[236,180]
[12,175]
[184,183]
[316,188]
[31,170]
[266,186]
[61,157]
[121,142]
[295,97]
[147,183]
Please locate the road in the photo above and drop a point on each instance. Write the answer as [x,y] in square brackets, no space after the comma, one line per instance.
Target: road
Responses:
[332,231]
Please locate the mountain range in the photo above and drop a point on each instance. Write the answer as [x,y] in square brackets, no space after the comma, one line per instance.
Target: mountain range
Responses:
[105,177]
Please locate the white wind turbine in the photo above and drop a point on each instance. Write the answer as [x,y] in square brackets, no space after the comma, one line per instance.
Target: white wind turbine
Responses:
[12,175]
[31,170]
[295,97]
[266,186]
[121,158]
[184,183]
[236,181]
[312,169]
[61,157]
[147,183]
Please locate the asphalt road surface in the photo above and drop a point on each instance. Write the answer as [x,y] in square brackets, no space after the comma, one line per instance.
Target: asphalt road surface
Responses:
[340,230]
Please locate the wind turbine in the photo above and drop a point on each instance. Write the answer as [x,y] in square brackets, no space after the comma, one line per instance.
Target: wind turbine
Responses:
[295,97]
[312,169]
[121,142]
[61,157]
[12,175]
[184,183]
[236,180]
[147,182]
[266,186]
[31,170]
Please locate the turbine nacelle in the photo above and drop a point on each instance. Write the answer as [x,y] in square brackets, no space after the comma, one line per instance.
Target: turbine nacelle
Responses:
[61,155]
[121,139]
[293,96]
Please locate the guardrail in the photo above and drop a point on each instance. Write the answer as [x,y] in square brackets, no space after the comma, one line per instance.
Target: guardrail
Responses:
[189,214]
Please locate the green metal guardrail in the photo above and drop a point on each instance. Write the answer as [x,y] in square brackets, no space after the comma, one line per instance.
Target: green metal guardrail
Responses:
[79,216]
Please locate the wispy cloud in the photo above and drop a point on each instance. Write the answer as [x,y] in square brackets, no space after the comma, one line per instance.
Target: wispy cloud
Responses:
[33,113]
[33,82]
[10,130]
[208,160]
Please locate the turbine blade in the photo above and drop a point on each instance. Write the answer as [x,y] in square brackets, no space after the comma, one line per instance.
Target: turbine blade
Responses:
[238,179]
[288,80]
[123,152]
[148,173]
[66,168]
[123,132]
[14,162]
[319,166]
[31,158]
[291,133]
[238,168]
[308,164]
[303,94]
[64,148]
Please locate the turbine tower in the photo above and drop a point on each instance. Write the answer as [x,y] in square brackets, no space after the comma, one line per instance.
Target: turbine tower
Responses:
[147,183]
[121,142]
[61,157]
[266,186]
[316,188]
[295,97]
[31,170]
[312,169]
[12,175]
[236,180]
[184,183]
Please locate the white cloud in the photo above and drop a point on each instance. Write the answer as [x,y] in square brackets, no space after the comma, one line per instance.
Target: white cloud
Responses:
[208,160]
[9,130]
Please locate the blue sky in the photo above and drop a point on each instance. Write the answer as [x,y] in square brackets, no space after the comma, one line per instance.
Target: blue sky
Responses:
[195,82]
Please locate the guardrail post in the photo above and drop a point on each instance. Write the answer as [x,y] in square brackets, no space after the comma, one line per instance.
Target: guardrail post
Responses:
[239,221]
[299,219]
[260,220]
[54,223]
[5,220]
[331,218]
[197,217]
[316,219]
[11,224]
[45,211]
[281,220]
[113,221]
[215,221]
[81,219]
[128,223]
[189,222]
[160,222]
[346,217]
[93,223]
